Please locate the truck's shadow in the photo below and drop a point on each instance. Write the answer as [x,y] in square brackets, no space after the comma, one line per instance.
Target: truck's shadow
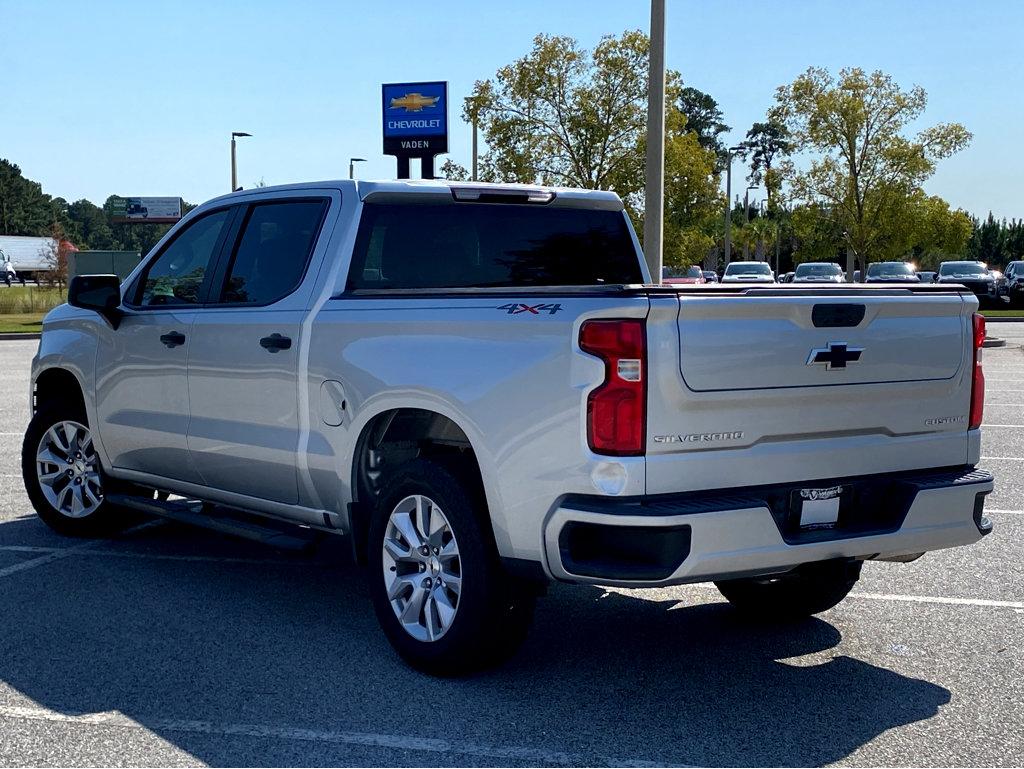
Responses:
[602,677]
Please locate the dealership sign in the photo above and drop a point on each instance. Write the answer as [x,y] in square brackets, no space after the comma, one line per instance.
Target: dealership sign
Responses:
[415,121]
[144,210]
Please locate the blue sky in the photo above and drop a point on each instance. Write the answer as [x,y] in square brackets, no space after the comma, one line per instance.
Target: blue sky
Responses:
[140,98]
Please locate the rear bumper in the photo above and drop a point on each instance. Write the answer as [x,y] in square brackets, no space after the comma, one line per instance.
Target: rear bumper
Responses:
[672,539]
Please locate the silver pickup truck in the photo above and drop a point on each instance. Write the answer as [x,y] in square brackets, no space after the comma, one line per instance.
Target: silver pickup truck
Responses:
[479,385]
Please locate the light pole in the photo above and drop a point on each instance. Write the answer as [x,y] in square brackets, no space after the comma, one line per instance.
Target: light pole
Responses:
[728,201]
[352,166]
[654,182]
[746,217]
[234,165]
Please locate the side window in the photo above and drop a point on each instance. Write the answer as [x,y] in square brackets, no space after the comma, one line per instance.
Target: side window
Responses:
[273,249]
[175,277]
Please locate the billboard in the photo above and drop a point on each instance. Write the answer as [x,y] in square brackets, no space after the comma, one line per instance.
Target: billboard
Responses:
[144,210]
[415,119]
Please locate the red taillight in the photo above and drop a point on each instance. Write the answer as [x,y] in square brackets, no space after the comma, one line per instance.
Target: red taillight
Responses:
[978,381]
[617,411]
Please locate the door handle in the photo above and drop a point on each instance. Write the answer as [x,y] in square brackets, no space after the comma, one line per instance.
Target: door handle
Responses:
[275,342]
[172,339]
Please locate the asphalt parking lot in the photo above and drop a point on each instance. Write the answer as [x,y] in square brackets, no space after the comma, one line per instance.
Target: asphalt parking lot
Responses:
[175,646]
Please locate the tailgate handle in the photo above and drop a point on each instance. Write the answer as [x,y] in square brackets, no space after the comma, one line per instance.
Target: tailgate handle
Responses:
[837,315]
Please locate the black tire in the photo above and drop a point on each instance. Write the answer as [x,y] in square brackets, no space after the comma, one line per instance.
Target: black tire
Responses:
[493,613]
[808,589]
[104,519]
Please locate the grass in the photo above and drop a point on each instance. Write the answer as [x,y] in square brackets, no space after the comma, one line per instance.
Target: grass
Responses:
[18,300]
[1003,313]
[25,322]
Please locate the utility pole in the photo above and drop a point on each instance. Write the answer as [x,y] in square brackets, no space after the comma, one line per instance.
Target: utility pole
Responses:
[654,188]
[352,166]
[746,219]
[728,201]
[234,165]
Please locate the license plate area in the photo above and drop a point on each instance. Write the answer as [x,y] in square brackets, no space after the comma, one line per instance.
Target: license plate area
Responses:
[819,508]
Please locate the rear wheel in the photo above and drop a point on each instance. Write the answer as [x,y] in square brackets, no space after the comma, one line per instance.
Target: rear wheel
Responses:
[437,586]
[62,473]
[808,589]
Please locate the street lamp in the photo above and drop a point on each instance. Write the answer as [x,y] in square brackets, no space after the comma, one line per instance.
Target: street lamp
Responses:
[352,166]
[728,200]
[234,165]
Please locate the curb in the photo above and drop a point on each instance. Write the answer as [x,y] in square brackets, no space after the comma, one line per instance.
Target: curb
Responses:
[993,341]
[1003,320]
[16,336]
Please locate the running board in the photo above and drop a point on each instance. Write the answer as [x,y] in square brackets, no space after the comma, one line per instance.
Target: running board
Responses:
[224,520]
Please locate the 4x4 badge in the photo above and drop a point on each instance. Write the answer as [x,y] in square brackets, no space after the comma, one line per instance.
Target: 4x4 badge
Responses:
[834,355]
[536,309]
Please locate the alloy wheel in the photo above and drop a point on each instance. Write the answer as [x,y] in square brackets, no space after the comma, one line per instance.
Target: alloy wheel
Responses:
[68,470]
[422,568]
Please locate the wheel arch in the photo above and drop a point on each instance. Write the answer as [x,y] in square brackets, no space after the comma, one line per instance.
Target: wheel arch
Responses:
[57,384]
[394,436]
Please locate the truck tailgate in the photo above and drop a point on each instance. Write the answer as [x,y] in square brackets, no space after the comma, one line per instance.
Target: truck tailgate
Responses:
[766,342]
[790,385]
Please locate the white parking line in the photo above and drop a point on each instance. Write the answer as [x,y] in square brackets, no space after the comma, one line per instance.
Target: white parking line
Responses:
[53,553]
[58,554]
[988,425]
[941,600]
[116,720]
[1005,512]
[1006,459]
[153,556]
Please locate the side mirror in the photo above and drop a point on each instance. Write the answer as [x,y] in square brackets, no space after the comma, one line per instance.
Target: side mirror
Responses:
[99,293]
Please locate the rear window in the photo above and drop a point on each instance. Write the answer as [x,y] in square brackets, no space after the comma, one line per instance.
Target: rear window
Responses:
[890,268]
[481,245]
[961,268]
[748,268]
[818,270]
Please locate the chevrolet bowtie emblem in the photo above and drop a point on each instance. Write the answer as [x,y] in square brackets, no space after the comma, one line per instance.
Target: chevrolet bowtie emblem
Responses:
[414,102]
[834,355]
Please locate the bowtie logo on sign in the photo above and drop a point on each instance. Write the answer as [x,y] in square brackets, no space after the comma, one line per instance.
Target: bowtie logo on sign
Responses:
[414,102]
[415,124]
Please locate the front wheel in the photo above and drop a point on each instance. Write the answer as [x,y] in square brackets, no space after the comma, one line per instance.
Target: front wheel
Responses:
[808,589]
[438,589]
[62,473]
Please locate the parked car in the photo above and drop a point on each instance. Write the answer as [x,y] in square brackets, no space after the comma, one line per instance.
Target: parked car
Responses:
[416,366]
[973,275]
[1015,283]
[710,276]
[787,277]
[1002,288]
[819,272]
[748,272]
[674,276]
[891,272]
[927,276]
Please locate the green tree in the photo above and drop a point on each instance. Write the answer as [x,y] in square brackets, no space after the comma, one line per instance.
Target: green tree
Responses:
[703,118]
[764,143]
[24,208]
[563,115]
[864,165]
